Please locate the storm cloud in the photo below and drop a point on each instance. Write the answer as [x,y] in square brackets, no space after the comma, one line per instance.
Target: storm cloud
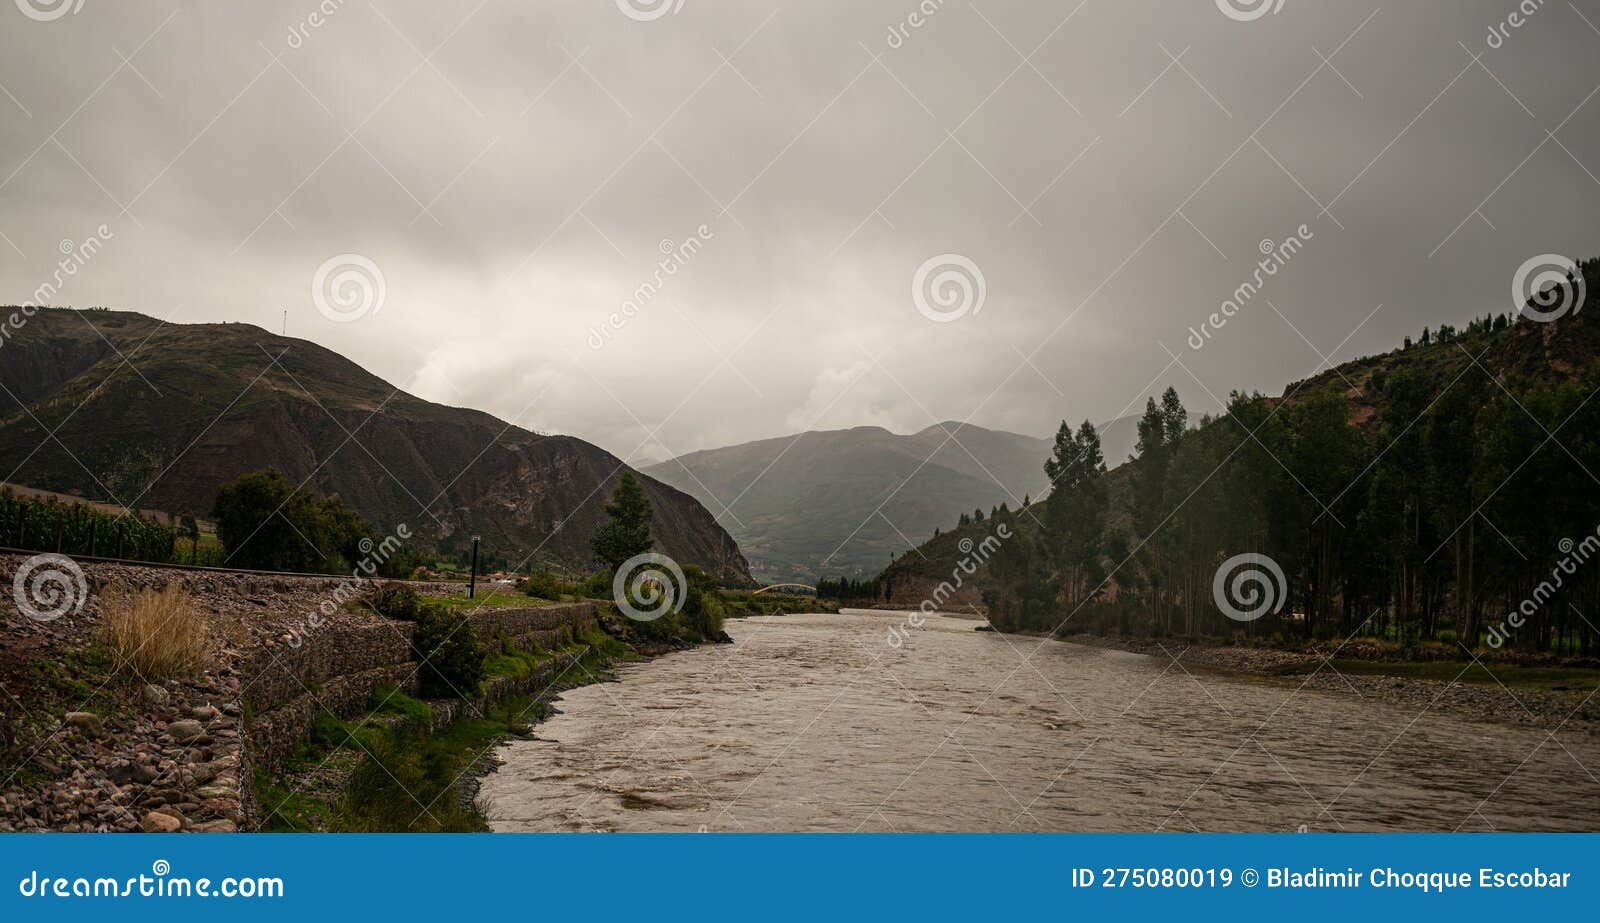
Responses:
[666,226]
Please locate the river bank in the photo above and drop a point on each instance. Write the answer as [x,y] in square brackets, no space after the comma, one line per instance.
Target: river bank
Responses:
[1540,695]
[284,665]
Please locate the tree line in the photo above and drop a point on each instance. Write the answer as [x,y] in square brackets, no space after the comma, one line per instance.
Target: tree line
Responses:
[1465,510]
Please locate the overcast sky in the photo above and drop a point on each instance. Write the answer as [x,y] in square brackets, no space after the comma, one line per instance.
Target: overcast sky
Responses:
[515,171]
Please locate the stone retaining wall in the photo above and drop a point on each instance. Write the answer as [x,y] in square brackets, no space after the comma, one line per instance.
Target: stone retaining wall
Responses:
[336,668]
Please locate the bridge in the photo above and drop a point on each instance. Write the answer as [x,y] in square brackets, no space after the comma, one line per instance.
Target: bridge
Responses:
[781,585]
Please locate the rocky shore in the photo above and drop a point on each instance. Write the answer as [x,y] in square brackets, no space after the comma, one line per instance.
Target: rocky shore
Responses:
[84,747]
[1309,667]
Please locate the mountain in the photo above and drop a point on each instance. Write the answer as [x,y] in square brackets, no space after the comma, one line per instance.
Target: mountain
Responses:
[844,501]
[106,404]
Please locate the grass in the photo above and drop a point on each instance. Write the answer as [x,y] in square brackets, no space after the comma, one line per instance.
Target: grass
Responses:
[156,633]
[406,777]
[498,597]
[286,810]
[388,701]
[1548,678]
[738,603]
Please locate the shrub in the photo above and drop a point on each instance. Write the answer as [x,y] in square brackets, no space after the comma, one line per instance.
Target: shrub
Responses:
[545,586]
[596,586]
[702,605]
[155,633]
[452,661]
[395,601]
[265,523]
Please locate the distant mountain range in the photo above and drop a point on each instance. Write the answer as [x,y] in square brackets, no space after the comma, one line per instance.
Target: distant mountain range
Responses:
[844,502]
[104,404]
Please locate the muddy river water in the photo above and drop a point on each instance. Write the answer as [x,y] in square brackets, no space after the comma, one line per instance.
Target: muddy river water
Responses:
[818,722]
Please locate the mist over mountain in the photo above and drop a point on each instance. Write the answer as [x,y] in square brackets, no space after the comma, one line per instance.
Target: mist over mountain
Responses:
[846,501]
[118,406]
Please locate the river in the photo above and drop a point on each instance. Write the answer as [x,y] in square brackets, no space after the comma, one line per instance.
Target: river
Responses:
[817,722]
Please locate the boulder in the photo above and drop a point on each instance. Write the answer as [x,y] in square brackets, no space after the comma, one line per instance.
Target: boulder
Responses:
[156,822]
[187,729]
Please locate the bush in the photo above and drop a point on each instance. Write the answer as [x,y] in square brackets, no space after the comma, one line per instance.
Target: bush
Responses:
[452,661]
[265,523]
[395,601]
[597,586]
[547,586]
[702,605]
[155,633]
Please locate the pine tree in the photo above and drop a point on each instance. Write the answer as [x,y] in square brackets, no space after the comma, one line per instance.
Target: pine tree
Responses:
[626,531]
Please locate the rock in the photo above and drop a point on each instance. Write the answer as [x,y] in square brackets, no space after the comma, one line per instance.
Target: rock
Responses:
[156,822]
[216,826]
[86,721]
[155,695]
[186,729]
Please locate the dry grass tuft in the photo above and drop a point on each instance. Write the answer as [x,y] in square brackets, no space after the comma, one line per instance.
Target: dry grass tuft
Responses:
[155,633]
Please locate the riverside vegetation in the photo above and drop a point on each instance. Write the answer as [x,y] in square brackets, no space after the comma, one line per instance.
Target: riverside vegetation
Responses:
[1433,502]
[403,766]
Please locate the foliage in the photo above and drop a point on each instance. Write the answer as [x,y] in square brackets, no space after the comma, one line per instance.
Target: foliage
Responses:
[267,524]
[845,589]
[30,524]
[1417,497]
[394,601]
[626,531]
[545,585]
[703,611]
[450,657]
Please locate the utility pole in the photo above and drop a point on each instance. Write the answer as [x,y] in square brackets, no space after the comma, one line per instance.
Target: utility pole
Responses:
[472,586]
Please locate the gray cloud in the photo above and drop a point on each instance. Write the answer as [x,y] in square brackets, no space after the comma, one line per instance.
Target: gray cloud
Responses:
[513,169]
